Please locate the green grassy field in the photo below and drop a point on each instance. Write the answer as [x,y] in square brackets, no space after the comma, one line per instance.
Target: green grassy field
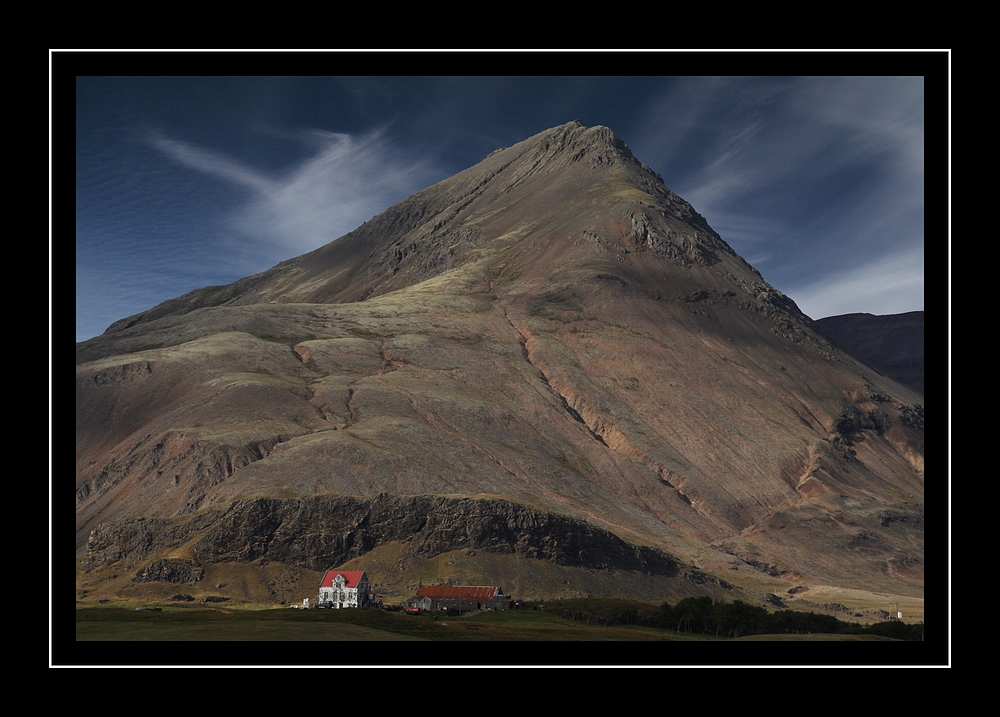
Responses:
[214,624]
[183,624]
[177,635]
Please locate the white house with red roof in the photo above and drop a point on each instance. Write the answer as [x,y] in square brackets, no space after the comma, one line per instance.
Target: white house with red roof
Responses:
[345,588]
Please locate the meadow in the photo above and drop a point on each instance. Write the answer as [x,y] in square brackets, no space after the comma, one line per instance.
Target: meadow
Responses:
[571,620]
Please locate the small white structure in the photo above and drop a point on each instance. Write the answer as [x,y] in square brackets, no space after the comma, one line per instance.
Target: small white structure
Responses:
[345,588]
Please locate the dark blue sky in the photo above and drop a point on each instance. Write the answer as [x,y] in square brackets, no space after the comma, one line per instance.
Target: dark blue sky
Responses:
[182,182]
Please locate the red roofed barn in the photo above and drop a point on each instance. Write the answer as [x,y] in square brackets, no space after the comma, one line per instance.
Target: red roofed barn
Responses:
[461,599]
[345,588]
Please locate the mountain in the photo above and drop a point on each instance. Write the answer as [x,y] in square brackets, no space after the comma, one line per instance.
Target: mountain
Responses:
[546,372]
[893,343]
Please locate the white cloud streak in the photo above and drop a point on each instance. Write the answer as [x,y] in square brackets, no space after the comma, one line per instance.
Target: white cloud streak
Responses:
[817,181]
[346,181]
[343,181]
[811,129]
[891,285]
[215,164]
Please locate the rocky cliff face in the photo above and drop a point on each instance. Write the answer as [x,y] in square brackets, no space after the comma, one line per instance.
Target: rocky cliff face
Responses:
[552,330]
[321,532]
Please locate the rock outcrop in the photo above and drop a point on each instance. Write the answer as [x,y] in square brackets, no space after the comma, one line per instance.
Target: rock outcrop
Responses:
[323,532]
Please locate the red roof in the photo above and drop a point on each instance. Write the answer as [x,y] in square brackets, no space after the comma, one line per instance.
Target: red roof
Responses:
[450,592]
[351,578]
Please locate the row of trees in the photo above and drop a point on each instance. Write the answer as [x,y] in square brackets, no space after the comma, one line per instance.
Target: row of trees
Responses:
[738,618]
[726,619]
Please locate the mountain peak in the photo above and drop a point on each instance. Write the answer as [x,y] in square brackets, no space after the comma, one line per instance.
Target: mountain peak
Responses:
[578,185]
[550,338]
[598,145]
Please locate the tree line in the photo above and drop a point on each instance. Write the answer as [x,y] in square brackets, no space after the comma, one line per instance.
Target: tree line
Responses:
[731,619]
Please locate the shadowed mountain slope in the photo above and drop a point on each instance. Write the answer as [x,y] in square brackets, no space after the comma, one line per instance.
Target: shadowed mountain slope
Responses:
[551,332]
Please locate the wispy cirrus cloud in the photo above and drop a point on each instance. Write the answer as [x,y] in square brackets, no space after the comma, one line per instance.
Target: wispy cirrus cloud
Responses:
[894,284]
[206,217]
[344,181]
[213,163]
[807,177]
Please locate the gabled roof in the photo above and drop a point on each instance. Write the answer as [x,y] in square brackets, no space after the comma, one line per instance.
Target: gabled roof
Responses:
[451,592]
[351,578]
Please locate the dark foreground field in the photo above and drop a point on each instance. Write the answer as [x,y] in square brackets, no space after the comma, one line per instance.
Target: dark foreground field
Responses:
[182,623]
[200,623]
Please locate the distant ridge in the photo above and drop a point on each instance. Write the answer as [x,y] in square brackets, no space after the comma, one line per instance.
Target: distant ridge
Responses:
[893,343]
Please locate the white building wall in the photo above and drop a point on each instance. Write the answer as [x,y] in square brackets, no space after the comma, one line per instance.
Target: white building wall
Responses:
[347,597]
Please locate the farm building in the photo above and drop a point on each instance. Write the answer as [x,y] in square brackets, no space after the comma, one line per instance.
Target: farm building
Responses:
[461,599]
[345,588]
